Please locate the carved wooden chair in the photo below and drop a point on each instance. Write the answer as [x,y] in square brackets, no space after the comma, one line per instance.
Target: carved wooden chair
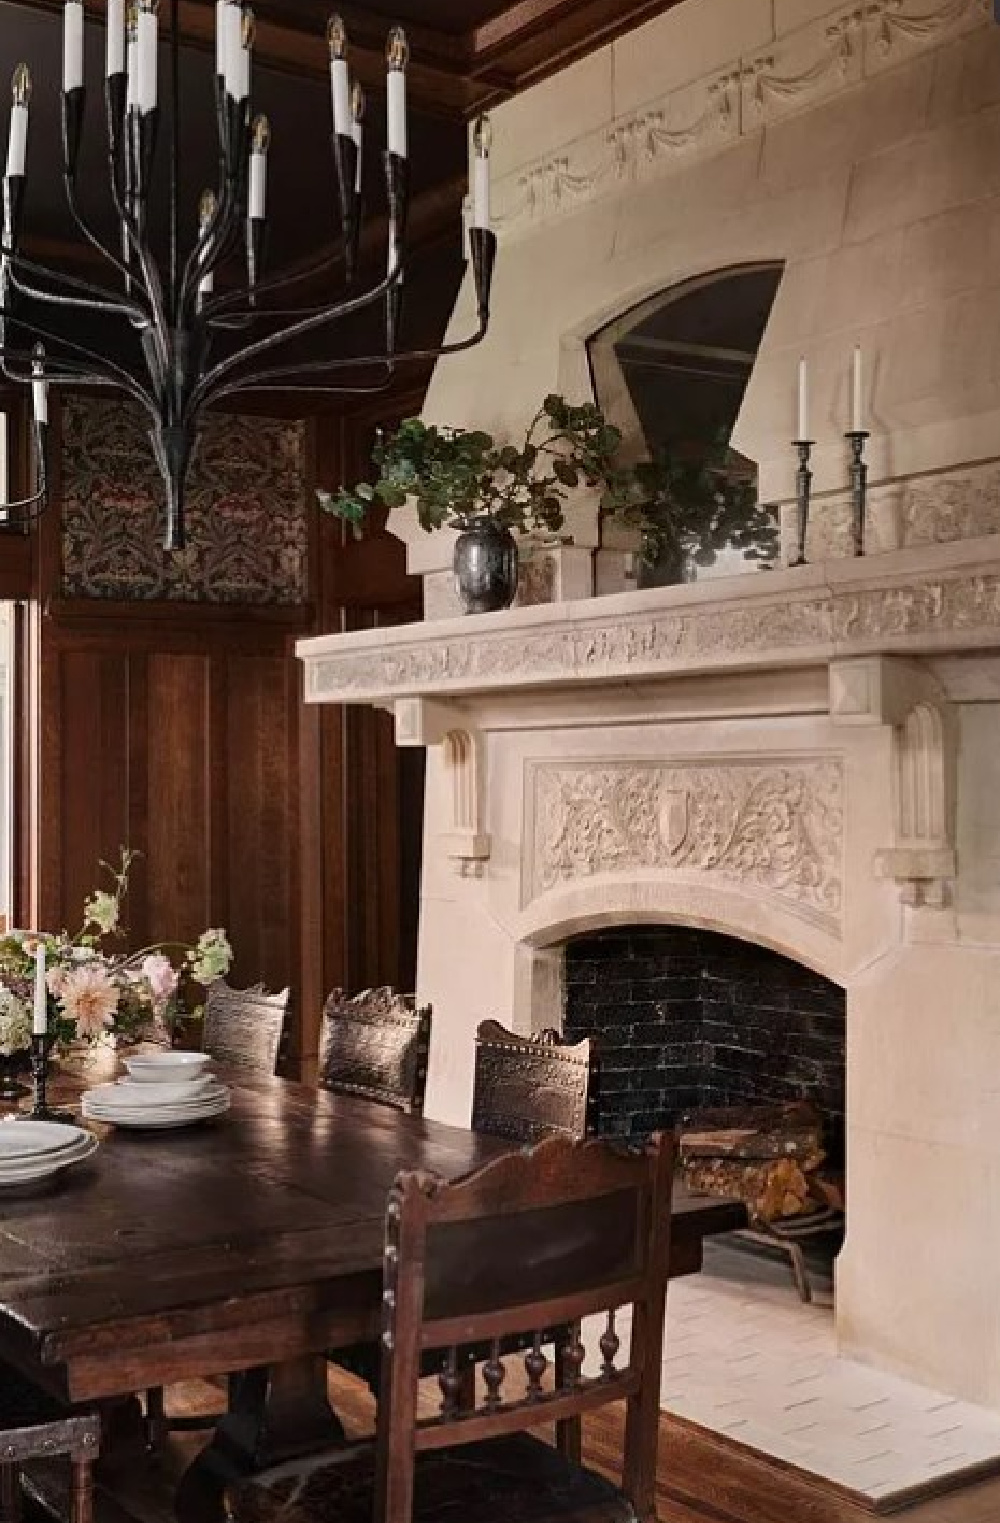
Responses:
[545,1236]
[527,1088]
[245,1027]
[33,1428]
[375,1045]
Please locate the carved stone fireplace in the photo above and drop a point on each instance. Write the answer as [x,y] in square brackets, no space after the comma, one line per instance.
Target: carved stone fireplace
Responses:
[804,760]
[790,760]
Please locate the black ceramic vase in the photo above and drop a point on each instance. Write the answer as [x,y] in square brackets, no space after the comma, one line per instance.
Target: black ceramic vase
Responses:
[486,566]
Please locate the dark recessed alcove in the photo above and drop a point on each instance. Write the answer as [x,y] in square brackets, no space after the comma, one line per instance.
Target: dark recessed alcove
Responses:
[689,1018]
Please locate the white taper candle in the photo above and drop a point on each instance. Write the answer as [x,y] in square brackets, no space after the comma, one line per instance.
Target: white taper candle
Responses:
[73,45]
[396,53]
[257,192]
[146,54]
[115,39]
[481,173]
[39,388]
[40,1014]
[803,420]
[856,409]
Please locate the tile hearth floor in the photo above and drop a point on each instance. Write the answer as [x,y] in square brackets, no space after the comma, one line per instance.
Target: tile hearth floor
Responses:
[744,1358]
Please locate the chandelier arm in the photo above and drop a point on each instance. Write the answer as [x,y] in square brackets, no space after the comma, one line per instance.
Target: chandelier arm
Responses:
[102,365]
[61,299]
[263,379]
[346,308]
[73,282]
[85,228]
[313,390]
[272,283]
[210,249]
[151,277]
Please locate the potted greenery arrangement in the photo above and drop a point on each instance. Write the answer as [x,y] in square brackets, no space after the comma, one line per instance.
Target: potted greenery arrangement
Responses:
[465,480]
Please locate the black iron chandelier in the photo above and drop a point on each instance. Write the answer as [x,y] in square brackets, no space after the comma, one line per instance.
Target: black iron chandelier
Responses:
[175,344]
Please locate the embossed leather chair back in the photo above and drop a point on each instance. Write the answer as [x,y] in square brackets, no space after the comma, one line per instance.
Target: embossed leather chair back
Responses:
[375,1045]
[527,1088]
[246,1027]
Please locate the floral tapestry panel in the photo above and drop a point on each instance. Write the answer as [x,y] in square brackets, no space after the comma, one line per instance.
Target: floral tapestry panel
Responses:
[246,511]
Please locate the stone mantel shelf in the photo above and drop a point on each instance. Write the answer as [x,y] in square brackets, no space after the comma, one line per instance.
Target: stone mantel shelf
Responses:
[931,600]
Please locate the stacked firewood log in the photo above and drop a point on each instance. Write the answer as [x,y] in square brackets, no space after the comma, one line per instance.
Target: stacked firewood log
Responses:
[768,1156]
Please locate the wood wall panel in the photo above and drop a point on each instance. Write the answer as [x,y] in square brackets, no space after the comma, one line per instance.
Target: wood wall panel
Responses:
[261,770]
[93,807]
[179,828]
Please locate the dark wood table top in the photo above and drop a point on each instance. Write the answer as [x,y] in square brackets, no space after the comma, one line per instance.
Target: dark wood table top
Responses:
[246,1241]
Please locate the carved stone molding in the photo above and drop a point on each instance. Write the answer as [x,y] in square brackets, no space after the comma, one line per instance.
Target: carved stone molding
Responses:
[422,723]
[774,828]
[888,604]
[804,66]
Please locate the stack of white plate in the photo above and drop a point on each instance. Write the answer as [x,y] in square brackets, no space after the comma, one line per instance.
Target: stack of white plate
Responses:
[31,1151]
[162,1090]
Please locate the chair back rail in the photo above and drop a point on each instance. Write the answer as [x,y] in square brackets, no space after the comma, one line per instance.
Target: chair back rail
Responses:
[375,1045]
[581,1228]
[247,1027]
[526,1088]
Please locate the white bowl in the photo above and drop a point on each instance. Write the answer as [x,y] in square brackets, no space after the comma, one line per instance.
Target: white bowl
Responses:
[168,1067]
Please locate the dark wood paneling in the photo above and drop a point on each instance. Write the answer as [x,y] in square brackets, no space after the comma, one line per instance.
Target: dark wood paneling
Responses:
[179,772]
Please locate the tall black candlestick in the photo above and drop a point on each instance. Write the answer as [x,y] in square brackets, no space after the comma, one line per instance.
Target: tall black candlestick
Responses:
[803,494]
[859,487]
[41,1046]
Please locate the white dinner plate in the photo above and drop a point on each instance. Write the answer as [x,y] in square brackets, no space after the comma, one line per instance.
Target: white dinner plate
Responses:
[138,1092]
[158,1096]
[12,1179]
[35,1139]
[148,1120]
[13,1169]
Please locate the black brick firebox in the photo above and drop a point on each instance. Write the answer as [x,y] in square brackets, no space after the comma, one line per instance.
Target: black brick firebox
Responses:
[688,1018]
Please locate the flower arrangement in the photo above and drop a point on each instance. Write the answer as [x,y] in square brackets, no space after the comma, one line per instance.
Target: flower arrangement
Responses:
[94,992]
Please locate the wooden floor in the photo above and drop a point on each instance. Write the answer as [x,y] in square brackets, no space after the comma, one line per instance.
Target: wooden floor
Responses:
[701,1478]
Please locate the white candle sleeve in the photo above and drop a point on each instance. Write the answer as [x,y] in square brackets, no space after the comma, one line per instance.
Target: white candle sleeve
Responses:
[40,400]
[115,41]
[73,45]
[358,134]
[40,1016]
[147,60]
[340,86]
[396,112]
[232,47]
[132,70]
[241,71]
[17,142]
[257,197]
[480,191]
[803,419]
[856,408]
[220,37]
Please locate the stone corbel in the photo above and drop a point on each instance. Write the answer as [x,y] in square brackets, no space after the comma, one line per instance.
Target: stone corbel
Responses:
[424,722]
[902,694]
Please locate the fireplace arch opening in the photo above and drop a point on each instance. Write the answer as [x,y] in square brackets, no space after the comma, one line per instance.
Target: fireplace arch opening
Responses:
[689,1020]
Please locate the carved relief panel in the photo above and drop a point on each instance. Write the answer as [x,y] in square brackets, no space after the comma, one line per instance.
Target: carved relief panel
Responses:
[775,827]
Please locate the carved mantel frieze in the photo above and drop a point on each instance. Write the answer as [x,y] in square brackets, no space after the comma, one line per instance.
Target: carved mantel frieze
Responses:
[773,827]
[933,599]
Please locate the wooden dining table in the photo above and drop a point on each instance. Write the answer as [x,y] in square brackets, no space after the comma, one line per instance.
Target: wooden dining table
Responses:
[252,1243]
